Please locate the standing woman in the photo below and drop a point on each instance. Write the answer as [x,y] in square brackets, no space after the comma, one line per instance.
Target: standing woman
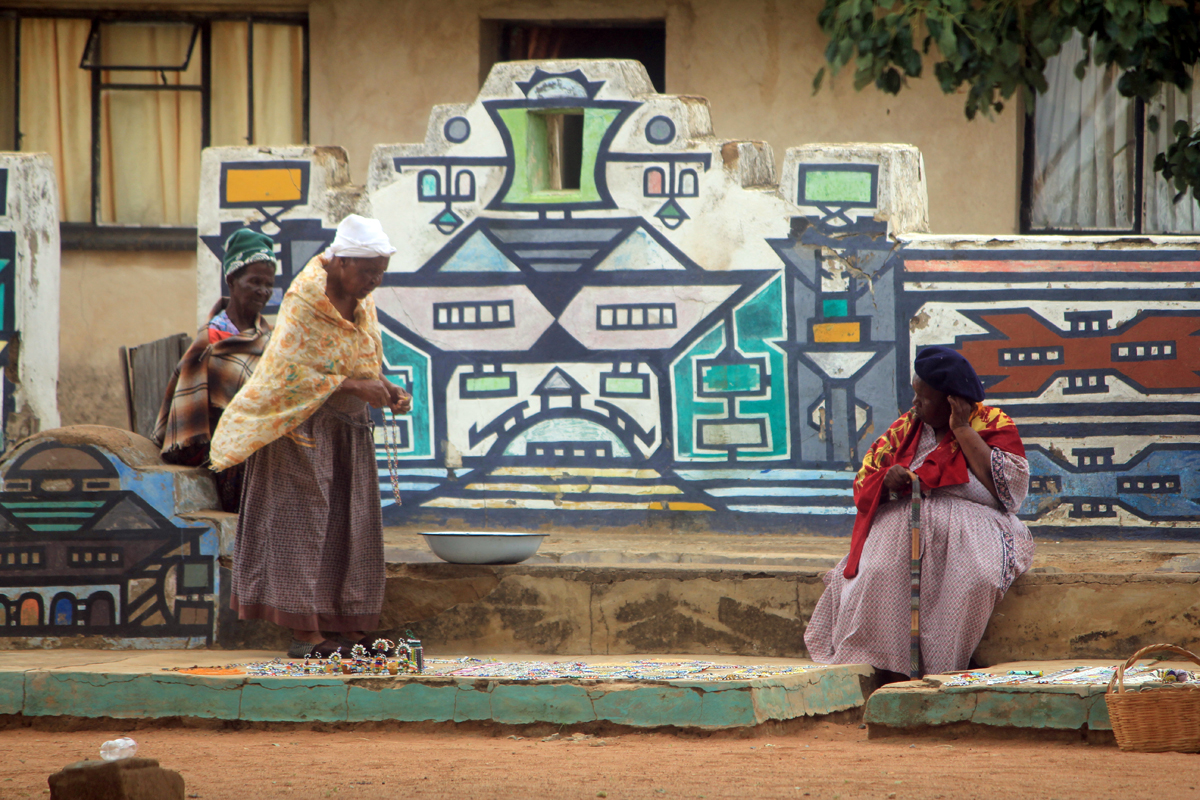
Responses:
[971,463]
[309,550]
[220,361]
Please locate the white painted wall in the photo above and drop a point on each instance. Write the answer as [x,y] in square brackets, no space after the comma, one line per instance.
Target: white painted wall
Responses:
[32,212]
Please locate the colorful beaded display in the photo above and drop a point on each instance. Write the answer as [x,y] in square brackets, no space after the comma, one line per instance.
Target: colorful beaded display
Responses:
[1075,676]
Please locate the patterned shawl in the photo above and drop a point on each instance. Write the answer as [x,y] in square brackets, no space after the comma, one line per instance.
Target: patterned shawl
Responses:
[945,466]
[205,381]
[312,350]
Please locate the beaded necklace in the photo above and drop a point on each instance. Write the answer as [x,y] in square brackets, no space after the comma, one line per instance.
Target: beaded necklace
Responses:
[391,447]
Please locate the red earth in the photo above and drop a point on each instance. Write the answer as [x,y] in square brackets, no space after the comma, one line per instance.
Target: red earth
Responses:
[819,760]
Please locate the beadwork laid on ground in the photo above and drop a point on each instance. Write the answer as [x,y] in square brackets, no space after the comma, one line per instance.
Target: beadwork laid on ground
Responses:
[1075,676]
[626,671]
[469,667]
[384,658]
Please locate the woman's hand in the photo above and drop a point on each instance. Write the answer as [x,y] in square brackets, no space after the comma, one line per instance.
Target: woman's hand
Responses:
[370,390]
[960,411]
[897,479]
[976,451]
[399,401]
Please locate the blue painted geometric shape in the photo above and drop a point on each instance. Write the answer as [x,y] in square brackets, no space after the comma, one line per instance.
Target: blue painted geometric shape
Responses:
[457,129]
[660,130]
[639,251]
[478,254]
[64,612]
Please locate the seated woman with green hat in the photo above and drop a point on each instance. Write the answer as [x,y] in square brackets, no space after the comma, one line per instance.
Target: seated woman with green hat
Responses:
[220,360]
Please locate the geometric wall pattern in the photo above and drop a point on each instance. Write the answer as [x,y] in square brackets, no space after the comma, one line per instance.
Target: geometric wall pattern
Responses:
[606,315]
[89,546]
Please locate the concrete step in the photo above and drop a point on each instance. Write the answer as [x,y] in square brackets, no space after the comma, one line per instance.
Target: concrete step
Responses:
[509,690]
[615,547]
[1068,699]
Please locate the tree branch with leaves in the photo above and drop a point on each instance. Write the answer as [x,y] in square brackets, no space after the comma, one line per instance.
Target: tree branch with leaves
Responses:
[1000,47]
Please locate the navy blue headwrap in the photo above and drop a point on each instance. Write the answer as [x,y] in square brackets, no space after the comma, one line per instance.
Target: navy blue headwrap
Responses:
[948,372]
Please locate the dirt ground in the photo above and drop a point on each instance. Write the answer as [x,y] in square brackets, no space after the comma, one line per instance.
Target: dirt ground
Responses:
[826,761]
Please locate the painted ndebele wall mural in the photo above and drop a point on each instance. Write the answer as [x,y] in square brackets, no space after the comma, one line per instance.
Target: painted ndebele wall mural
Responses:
[610,317]
[92,544]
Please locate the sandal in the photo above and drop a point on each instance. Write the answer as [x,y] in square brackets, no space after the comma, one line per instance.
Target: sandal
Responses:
[299,649]
[367,641]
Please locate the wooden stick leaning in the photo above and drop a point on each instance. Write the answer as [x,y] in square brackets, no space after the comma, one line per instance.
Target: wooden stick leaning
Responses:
[914,668]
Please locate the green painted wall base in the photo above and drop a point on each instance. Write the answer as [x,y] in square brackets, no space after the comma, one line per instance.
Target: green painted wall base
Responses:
[682,703]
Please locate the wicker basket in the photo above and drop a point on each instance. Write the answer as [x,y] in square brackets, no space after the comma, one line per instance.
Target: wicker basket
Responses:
[1158,719]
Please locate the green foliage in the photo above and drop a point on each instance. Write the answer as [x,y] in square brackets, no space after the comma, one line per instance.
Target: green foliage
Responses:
[1180,164]
[997,47]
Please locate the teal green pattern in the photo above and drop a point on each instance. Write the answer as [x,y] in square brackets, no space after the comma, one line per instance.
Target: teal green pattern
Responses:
[687,406]
[835,308]
[759,321]
[397,354]
[731,378]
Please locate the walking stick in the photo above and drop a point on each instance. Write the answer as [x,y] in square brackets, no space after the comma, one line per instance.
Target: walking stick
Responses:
[914,668]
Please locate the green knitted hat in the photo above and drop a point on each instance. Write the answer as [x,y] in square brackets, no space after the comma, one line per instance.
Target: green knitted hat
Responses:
[246,247]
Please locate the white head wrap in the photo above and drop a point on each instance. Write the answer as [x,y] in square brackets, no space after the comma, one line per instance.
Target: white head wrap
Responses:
[359,237]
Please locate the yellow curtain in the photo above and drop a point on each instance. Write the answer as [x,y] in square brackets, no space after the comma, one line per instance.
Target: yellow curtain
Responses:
[8,82]
[278,72]
[278,77]
[150,141]
[229,123]
[55,107]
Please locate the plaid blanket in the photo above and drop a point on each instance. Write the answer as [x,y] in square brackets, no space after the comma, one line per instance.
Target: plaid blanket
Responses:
[312,350]
[204,383]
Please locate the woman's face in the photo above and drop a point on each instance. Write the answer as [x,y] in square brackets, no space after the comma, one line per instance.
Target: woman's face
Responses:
[930,405]
[250,290]
[358,277]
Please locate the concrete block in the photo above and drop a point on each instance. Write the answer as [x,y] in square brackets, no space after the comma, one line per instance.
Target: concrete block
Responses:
[195,490]
[729,707]
[126,779]
[696,611]
[1091,615]
[1097,719]
[473,700]
[906,706]
[1030,709]
[223,524]
[526,612]
[282,699]
[559,703]
[12,692]
[130,696]
[648,706]
[403,700]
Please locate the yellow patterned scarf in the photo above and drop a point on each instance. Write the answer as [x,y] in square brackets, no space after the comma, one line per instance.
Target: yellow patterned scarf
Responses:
[312,350]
